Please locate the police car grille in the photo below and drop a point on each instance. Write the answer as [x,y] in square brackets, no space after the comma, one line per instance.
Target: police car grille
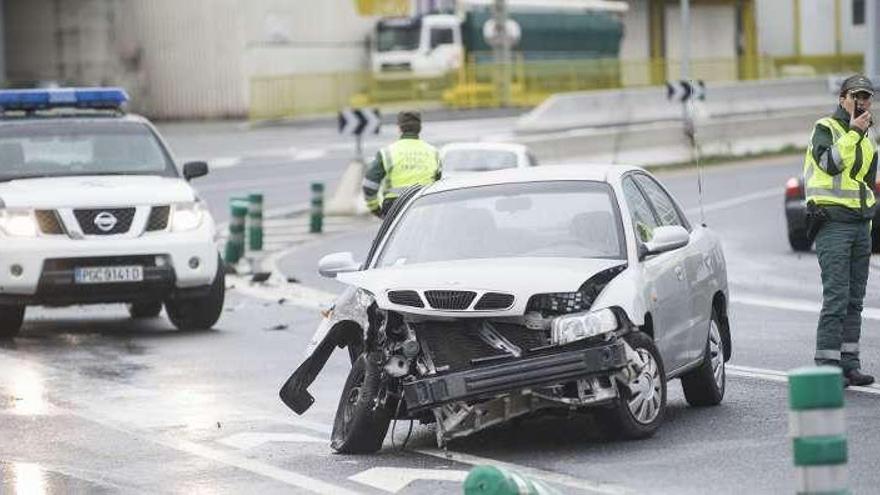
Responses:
[158,218]
[86,219]
[450,299]
[49,222]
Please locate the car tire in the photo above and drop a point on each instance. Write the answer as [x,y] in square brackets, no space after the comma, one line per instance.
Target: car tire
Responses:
[626,418]
[705,385]
[360,424]
[200,313]
[11,319]
[798,240]
[149,309]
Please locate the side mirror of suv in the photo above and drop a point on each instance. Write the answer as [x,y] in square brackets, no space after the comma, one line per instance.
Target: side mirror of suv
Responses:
[191,170]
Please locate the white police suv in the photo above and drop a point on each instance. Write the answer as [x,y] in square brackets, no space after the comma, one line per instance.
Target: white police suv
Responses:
[93,209]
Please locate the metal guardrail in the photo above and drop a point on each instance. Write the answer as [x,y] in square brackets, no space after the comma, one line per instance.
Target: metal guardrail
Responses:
[472,86]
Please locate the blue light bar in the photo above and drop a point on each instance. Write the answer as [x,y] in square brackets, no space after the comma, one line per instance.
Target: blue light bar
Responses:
[46,99]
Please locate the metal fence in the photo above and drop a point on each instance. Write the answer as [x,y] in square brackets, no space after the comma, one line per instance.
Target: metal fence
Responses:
[473,85]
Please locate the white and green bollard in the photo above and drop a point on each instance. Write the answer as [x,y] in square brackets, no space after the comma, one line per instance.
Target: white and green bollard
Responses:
[491,480]
[255,222]
[817,425]
[235,243]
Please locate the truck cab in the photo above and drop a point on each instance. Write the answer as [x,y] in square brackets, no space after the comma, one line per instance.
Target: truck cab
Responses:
[427,46]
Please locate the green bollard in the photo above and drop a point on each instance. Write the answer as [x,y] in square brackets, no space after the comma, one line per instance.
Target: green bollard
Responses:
[255,222]
[235,243]
[490,480]
[817,426]
[317,219]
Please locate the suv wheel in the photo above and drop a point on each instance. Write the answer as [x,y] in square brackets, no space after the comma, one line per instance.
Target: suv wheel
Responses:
[705,385]
[11,318]
[200,313]
[149,309]
[641,404]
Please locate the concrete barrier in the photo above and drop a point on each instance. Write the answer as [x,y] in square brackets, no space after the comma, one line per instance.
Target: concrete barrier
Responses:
[665,142]
[596,109]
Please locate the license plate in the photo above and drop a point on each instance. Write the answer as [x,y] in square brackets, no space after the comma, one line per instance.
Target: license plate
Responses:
[108,274]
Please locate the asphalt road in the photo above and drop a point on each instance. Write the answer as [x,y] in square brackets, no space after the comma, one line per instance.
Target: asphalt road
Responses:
[92,402]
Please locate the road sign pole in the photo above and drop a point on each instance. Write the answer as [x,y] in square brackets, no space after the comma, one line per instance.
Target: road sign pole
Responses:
[502,52]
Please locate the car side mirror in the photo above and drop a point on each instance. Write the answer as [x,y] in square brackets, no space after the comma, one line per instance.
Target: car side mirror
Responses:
[191,170]
[336,263]
[666,238]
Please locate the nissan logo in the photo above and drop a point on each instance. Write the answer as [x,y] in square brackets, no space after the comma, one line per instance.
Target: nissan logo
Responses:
[105,221]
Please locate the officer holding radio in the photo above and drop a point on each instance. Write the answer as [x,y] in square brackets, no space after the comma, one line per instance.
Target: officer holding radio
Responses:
[840,169]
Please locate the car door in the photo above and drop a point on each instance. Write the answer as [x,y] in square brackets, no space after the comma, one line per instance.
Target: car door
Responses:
[665,283]
[697,310]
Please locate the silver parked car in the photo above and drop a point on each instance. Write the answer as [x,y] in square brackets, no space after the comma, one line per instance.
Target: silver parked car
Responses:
[490,296]
[458,158]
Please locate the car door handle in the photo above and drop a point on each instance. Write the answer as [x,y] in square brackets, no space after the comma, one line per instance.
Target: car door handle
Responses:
[679,273]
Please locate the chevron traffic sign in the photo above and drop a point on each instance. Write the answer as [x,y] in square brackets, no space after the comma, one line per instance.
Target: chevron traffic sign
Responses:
[685,90]
[358,121]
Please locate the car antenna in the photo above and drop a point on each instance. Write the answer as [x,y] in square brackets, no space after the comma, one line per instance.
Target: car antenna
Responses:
[695,153]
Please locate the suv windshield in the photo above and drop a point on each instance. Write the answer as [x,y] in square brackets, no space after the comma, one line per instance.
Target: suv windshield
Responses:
[393,38]
[564,219]
[56,149]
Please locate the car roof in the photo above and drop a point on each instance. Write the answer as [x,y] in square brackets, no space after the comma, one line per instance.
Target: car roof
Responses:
[485,145]
[545,173]
[74,118]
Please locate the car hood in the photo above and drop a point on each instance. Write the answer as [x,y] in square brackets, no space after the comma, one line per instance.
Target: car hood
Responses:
[519,277]
[94,191]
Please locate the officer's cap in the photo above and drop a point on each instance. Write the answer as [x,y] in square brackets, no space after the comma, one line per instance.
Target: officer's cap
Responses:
[855,84]
[409,120]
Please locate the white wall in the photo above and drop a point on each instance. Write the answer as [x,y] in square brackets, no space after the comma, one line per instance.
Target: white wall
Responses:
[712,41]
[855,38]
[775,27]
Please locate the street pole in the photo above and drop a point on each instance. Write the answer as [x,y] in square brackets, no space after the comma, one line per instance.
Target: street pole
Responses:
[502,52]
[872,49]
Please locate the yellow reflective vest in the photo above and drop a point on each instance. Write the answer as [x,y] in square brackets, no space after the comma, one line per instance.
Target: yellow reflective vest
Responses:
[850,156]
[408,162]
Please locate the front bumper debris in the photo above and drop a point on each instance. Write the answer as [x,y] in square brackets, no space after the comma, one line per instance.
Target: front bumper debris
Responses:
[483,382]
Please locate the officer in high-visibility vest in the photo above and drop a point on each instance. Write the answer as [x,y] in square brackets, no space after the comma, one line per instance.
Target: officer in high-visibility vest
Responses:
[407,162]
[840,170]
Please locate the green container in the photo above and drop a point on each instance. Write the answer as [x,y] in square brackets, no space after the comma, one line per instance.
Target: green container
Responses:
[491,480]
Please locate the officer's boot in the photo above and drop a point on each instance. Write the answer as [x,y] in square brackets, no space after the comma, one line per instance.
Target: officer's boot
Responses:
[857,378]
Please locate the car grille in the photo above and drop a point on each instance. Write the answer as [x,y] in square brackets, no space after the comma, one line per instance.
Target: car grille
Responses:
[158,218]
[146,261]
[494,300]
[49,222]
[458,346]
[86,219]
[406,298]
[450,299]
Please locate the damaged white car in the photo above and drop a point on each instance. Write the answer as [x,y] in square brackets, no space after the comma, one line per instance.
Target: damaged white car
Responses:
[492,296]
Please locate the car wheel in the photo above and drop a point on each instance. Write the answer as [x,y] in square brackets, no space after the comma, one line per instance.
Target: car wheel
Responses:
[11,318]
[798,240]
[361,424]
[705,385]
[149,309]
[200,313]
[641,404]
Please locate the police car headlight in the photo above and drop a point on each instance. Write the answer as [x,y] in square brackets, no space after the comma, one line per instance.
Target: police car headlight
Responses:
[187,216]
[578,326]
[18,223]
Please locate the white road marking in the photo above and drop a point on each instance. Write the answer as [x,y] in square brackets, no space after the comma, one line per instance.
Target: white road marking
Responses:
[746,198]
[295,294]
[250,440]
[802,305]
[549,476]
[126,420]
[314,154]
[394,479]
[224,162]
[782,377]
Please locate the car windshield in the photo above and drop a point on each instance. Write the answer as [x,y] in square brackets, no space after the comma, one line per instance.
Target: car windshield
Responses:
[558,219]
[57,149]
[393,38]
[475,160]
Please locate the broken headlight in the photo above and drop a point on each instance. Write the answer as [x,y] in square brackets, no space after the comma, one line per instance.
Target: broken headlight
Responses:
[578,326]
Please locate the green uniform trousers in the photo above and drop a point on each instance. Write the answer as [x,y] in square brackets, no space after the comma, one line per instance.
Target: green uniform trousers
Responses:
[844,251]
